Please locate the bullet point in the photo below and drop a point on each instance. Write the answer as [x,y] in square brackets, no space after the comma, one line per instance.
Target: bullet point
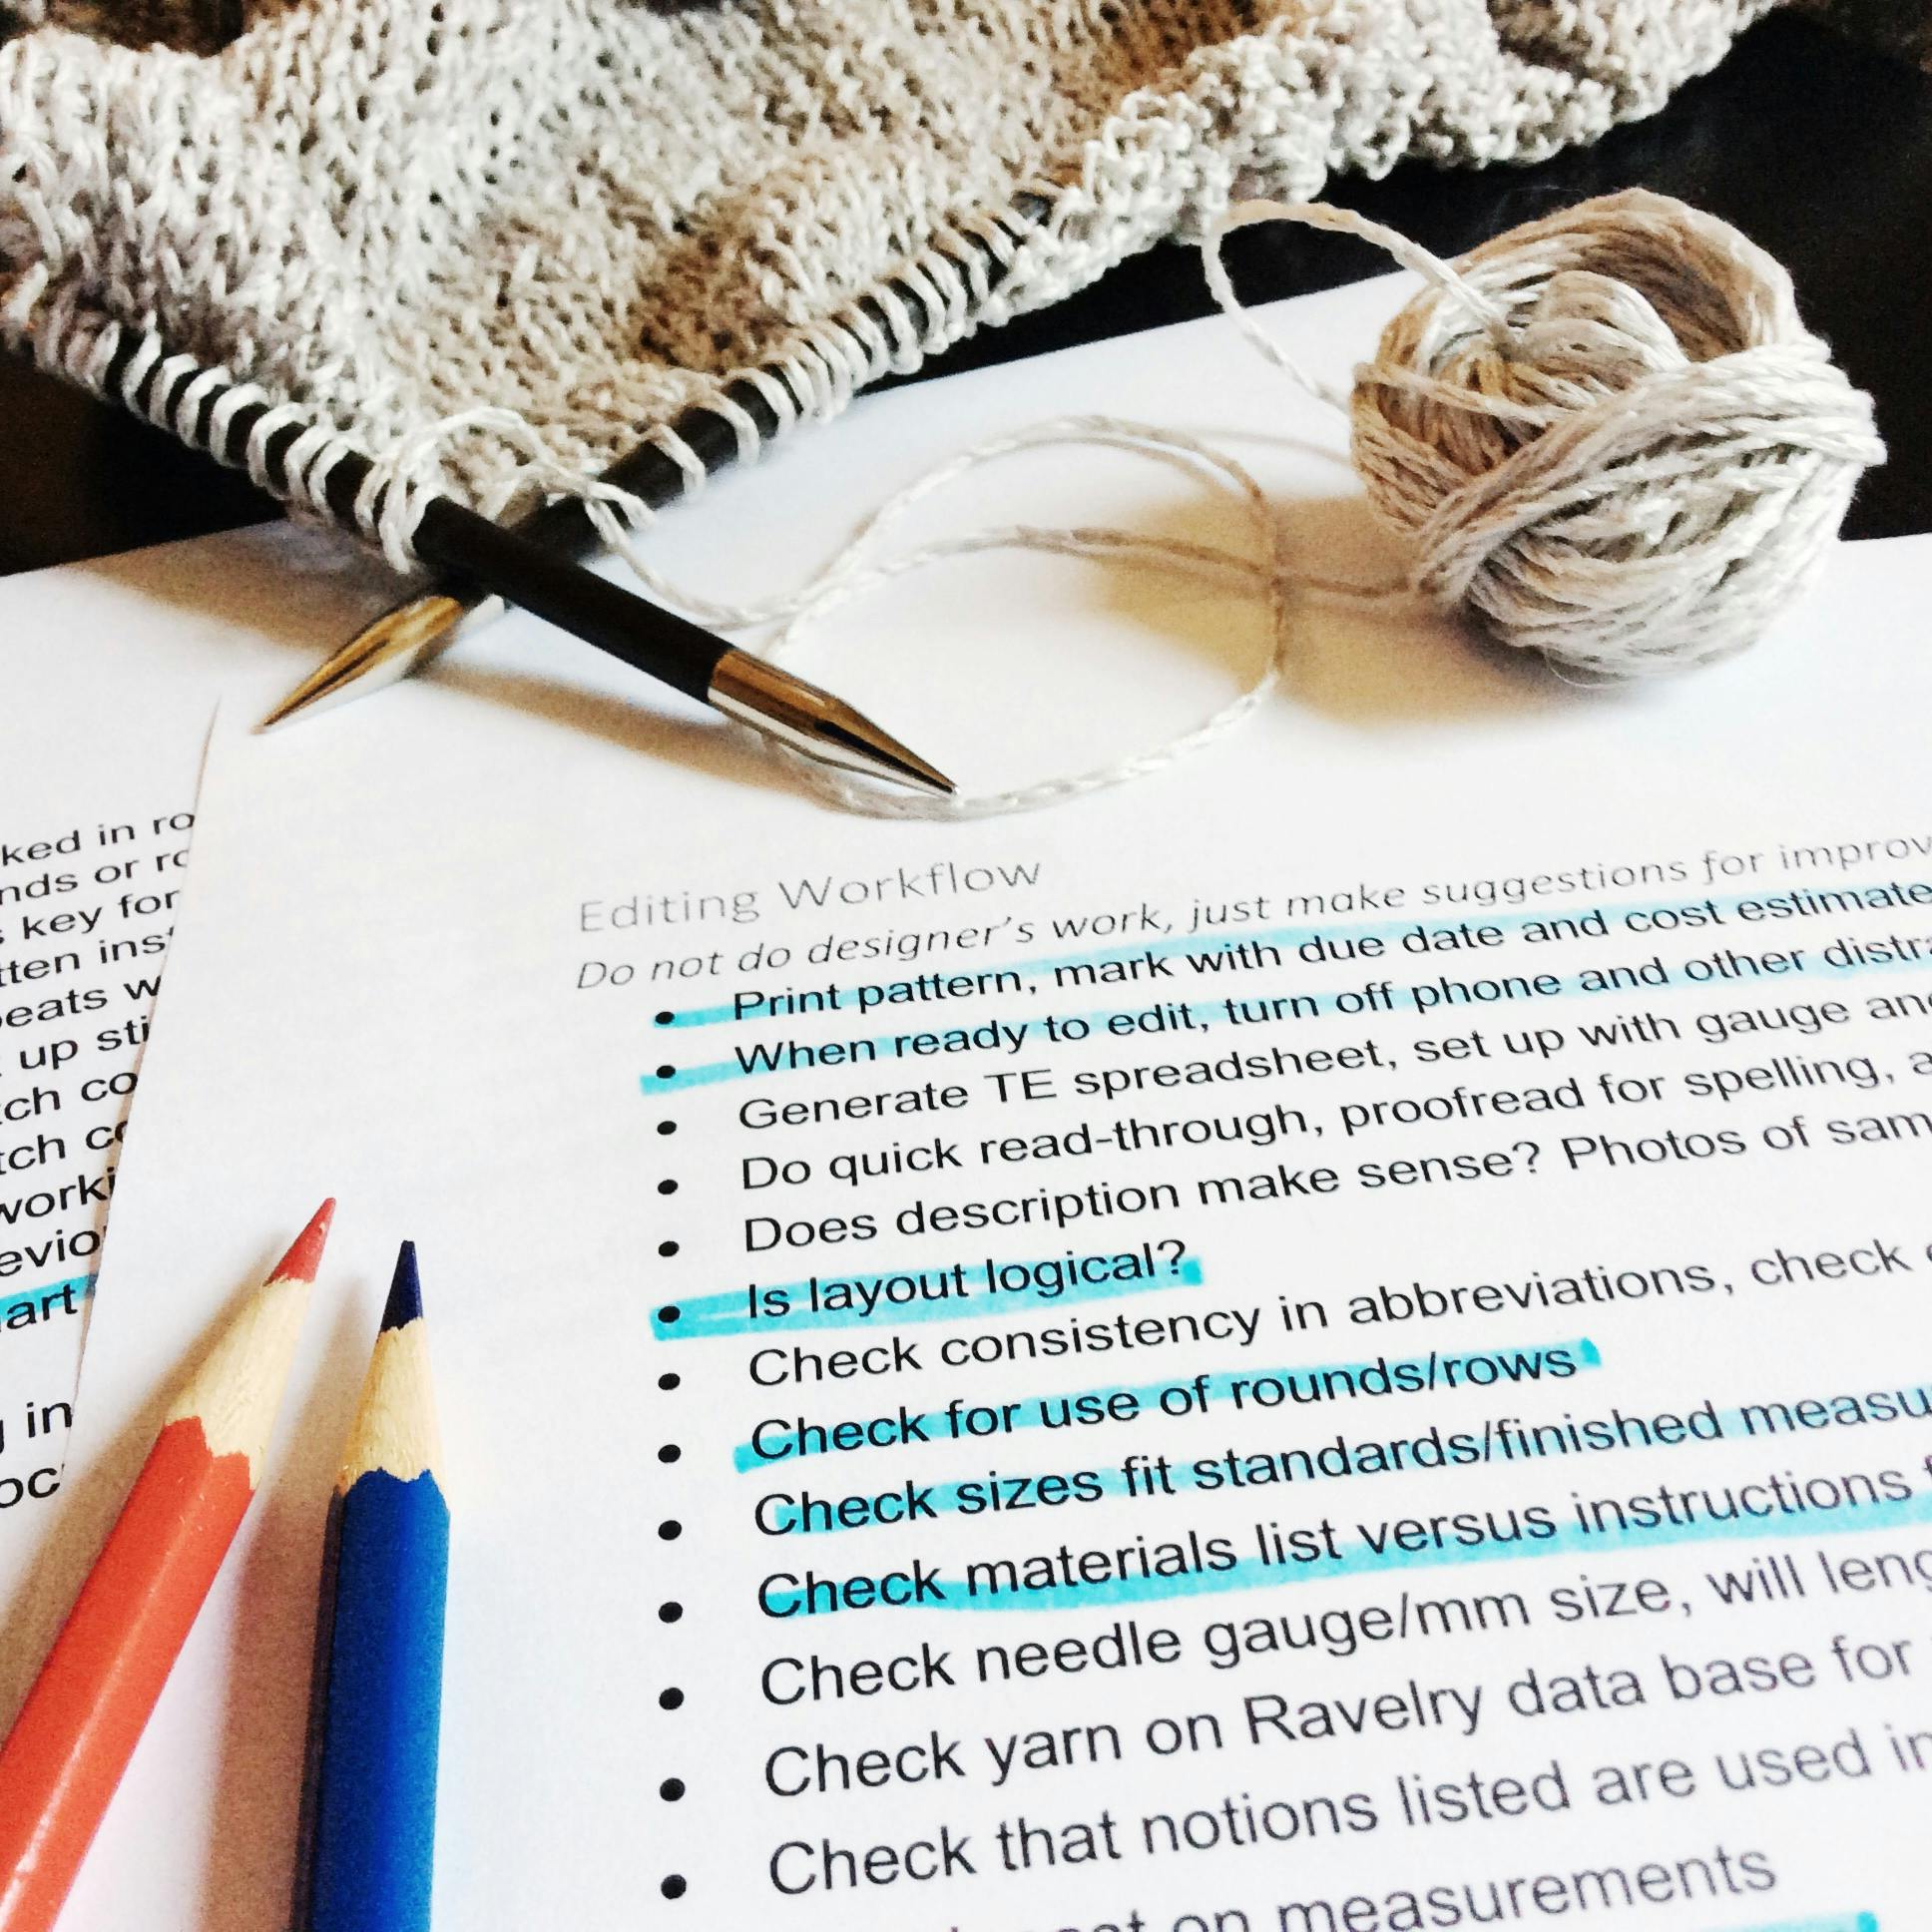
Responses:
[667,1073]
[670,1380]
[670,1613]
[666,1187]
[669,1314]
[667,1248]
[665,1019]
[673,1887]
[670,1532]
[672,1789]
[670,1699]
[669,1452]
[667,1127]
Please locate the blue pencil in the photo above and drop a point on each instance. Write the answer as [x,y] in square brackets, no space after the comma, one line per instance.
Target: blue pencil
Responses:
[371,1821]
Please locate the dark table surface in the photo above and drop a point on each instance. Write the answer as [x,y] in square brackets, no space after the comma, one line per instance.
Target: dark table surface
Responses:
[1817,149]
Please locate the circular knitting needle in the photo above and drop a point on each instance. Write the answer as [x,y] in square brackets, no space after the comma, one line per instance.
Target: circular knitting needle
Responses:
[659,643]
[420,628]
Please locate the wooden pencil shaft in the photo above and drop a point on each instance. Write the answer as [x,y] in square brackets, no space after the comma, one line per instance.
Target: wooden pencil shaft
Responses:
[92,1701]
[368,1846]
[371,1813]
[316,1735]
[63,1760]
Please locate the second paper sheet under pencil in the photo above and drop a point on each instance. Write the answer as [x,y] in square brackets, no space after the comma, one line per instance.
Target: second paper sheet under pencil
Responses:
[1260,1351]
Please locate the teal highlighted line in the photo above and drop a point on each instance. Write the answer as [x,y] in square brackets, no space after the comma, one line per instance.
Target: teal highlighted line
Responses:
[1362,1559]
[1227,940]
[1433,1369]
[944,1499]
[1570,987]
[715,1071]
[75,1286]
[1831,1922]
[703,1318]
[1091,1485]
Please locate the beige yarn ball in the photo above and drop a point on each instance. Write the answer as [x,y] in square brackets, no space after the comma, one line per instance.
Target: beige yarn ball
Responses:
[1611,437]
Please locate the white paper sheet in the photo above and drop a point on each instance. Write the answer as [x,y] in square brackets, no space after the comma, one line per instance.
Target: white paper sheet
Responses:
[1416,1213]
[109,675]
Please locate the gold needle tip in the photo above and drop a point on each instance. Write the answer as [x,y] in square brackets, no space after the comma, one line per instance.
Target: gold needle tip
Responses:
[814,723]
[400,641]
[913,770]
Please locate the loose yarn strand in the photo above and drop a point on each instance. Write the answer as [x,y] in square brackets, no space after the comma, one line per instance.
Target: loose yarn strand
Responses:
[1262,573]
[1607,435]
[1333,221]
[851,573]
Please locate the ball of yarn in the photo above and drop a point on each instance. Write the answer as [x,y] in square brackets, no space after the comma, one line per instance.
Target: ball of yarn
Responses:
[1611,437]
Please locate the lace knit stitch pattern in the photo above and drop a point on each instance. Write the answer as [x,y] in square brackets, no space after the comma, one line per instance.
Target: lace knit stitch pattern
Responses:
[362,217]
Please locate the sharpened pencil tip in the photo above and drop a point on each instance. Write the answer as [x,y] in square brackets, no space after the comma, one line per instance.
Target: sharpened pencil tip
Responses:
[404,1305]
[304,1257]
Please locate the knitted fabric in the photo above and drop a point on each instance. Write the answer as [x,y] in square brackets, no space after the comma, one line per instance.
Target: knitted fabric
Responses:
[371,215]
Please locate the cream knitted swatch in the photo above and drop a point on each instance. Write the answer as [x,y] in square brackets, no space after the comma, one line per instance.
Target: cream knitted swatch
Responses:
[372,215]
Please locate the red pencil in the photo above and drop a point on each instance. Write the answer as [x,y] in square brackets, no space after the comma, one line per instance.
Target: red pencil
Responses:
[86,1712]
